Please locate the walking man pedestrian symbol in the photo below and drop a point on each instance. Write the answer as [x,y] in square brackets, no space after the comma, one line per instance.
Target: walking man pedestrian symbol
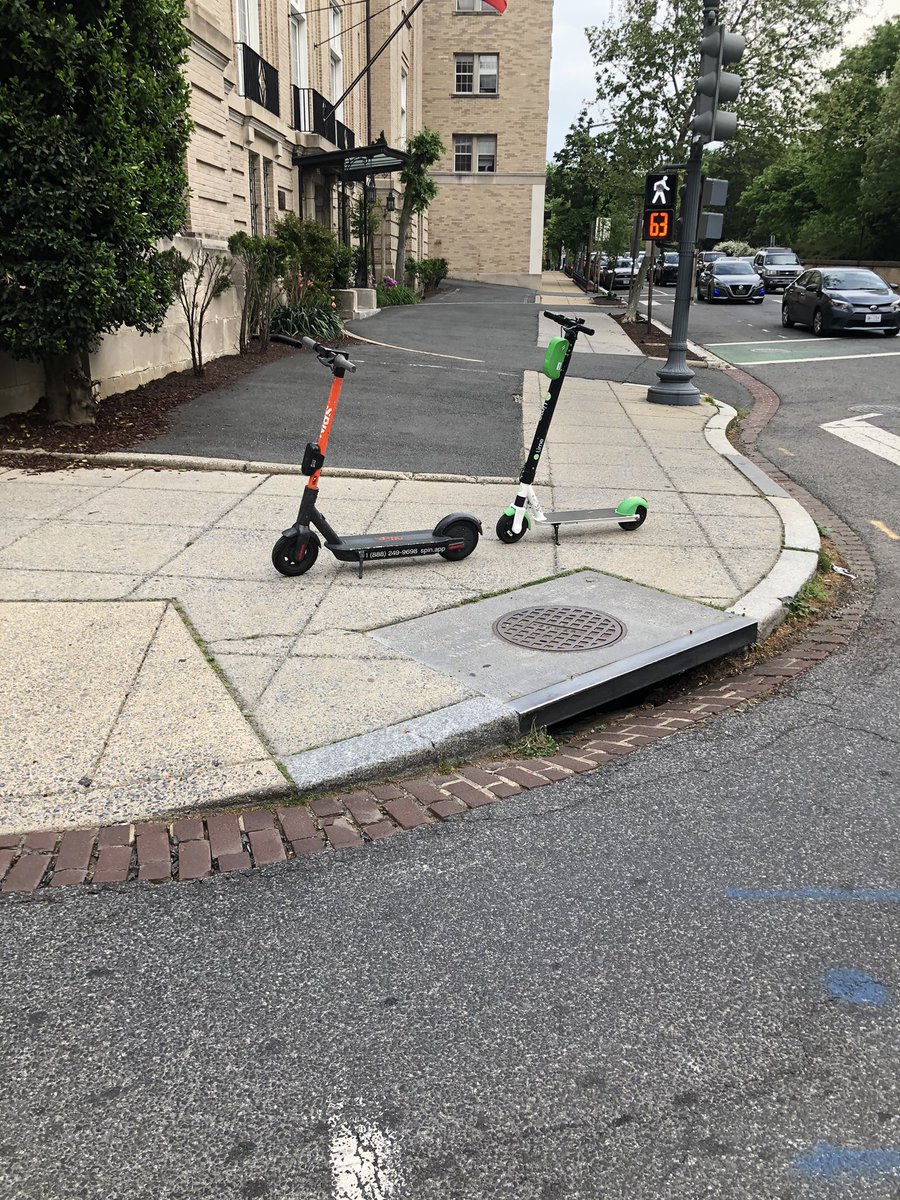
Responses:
[661,191]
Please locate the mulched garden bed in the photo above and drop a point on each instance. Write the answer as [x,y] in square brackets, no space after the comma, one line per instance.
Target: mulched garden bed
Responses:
[125,418]
[649,338]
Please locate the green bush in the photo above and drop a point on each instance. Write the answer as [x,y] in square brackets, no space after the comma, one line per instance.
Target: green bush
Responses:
[428,271]
[343,271]
[735,249]
[398,294]
[309,258]
[312,317]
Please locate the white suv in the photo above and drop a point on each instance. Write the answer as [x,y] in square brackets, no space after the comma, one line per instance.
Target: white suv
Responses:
[777,267]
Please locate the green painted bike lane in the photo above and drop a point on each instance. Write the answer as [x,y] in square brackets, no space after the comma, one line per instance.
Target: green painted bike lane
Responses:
[799,350]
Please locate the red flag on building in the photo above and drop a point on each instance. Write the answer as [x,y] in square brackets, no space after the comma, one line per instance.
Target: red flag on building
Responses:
[500,5]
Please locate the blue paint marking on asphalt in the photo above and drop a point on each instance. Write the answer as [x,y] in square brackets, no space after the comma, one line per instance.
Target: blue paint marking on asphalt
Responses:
[872,895]
[825,1161]
[856,987]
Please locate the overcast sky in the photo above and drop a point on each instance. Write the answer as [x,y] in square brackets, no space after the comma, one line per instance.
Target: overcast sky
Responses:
[572,73]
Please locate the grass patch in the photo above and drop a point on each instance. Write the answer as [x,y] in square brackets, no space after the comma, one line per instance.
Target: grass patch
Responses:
[809,601]
[536,744]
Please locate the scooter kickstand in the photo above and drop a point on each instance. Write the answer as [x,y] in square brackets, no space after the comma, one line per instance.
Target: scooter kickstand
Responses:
[556,534]
[359,567]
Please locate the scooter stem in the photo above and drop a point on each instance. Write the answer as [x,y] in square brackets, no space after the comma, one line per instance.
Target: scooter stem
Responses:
[334,396]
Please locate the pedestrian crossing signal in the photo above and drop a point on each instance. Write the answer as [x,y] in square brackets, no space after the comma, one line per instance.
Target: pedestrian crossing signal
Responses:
[658,224]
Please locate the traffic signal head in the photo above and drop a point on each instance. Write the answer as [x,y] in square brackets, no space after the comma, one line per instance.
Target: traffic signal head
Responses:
[717,47]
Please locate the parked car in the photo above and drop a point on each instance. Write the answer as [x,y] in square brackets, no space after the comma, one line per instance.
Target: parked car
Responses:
[836,298]
[666,269]
[617,273]
[705,257]
[777,266]
[730,279]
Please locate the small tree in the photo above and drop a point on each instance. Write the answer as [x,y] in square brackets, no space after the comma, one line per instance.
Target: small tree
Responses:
[419,189]
[93,139]
[200,279]
[309,254]
[262,260]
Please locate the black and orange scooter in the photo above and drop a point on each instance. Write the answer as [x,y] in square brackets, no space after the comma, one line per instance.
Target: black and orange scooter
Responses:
[454,537]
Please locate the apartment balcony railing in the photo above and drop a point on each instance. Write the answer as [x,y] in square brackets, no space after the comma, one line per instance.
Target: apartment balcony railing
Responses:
[257,79]
[310,107]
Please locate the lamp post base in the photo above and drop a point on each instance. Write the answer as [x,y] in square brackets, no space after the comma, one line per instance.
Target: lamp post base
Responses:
[675,386]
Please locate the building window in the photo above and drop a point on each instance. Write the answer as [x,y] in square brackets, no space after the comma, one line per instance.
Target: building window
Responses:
[476,74]
[246,23]
[337,62]
[473,152]
[299,45]
[403,88]
[255,189]
[475,6]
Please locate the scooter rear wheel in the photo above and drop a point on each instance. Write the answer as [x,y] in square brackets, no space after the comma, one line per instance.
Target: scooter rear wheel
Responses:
[284,555]
[465,532]
[505,530]
[640,513]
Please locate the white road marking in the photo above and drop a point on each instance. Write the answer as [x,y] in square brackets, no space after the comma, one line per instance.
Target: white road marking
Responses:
[761,341]
[409,349]
[791,362]
[859,432]
[361,1166]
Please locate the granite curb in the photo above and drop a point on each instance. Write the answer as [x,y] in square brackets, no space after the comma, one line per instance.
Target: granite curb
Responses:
[193,848]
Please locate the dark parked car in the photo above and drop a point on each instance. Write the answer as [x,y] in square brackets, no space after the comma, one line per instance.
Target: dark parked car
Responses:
[777,266]
[838,298]
[730,279]
[666,269]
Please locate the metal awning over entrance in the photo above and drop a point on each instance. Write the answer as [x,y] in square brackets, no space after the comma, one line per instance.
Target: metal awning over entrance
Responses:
[358,164]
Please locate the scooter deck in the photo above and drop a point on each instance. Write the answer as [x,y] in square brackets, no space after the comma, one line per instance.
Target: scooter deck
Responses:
[573,515]
[403,544]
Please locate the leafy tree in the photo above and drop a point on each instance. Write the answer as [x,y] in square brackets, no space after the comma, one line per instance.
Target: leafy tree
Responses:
[200,278]
[833,189]
[93,137]
[880,190]
[646,57]
[419,189]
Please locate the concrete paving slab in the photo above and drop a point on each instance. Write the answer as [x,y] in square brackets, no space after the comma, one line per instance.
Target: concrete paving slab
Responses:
[613,474]
[248,677]
[177,719]
[608,337]
[314,702]
[61,699]
[95,477]
[274,513]
[65,546]
[333,488]
[114,713]
[565,496]
[739,507]
[339,643]
[748,532]
[73,585]
[235,554]
[683,571]
[229,608]
[20,498]
[154,506]
[11,530]
[361,604]
[464,643]
[232,482]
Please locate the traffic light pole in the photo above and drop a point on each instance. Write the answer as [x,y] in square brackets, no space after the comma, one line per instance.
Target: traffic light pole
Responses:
[675,377]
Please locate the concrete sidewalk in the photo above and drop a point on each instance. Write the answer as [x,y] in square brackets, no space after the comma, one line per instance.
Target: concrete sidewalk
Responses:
[111,710]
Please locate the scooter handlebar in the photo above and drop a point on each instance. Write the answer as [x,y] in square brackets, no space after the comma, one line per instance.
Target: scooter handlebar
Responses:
[576,323]
[333,358]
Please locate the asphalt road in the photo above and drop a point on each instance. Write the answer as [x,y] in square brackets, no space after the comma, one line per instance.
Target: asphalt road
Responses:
[676,978]
[556,997]
[446,401]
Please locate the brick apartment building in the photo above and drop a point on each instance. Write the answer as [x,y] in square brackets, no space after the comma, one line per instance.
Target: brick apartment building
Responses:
[264,75]
[486,89]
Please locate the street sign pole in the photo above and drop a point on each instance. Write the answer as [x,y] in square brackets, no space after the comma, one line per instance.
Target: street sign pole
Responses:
[675,377]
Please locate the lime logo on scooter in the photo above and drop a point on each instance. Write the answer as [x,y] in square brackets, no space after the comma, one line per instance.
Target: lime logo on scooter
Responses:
[517,519]
[454,537]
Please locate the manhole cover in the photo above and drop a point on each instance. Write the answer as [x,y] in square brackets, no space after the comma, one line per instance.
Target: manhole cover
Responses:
[559,627]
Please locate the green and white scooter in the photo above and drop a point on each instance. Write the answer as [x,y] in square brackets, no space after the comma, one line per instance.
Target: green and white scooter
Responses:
[526,508]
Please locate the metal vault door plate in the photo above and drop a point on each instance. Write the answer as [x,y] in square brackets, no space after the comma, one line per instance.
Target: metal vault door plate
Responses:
[559,628]
[662,636]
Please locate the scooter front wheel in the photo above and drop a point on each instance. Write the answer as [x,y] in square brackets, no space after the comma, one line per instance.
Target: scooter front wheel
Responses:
[460,531]
[640,516]
[285,557]
[505,531]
